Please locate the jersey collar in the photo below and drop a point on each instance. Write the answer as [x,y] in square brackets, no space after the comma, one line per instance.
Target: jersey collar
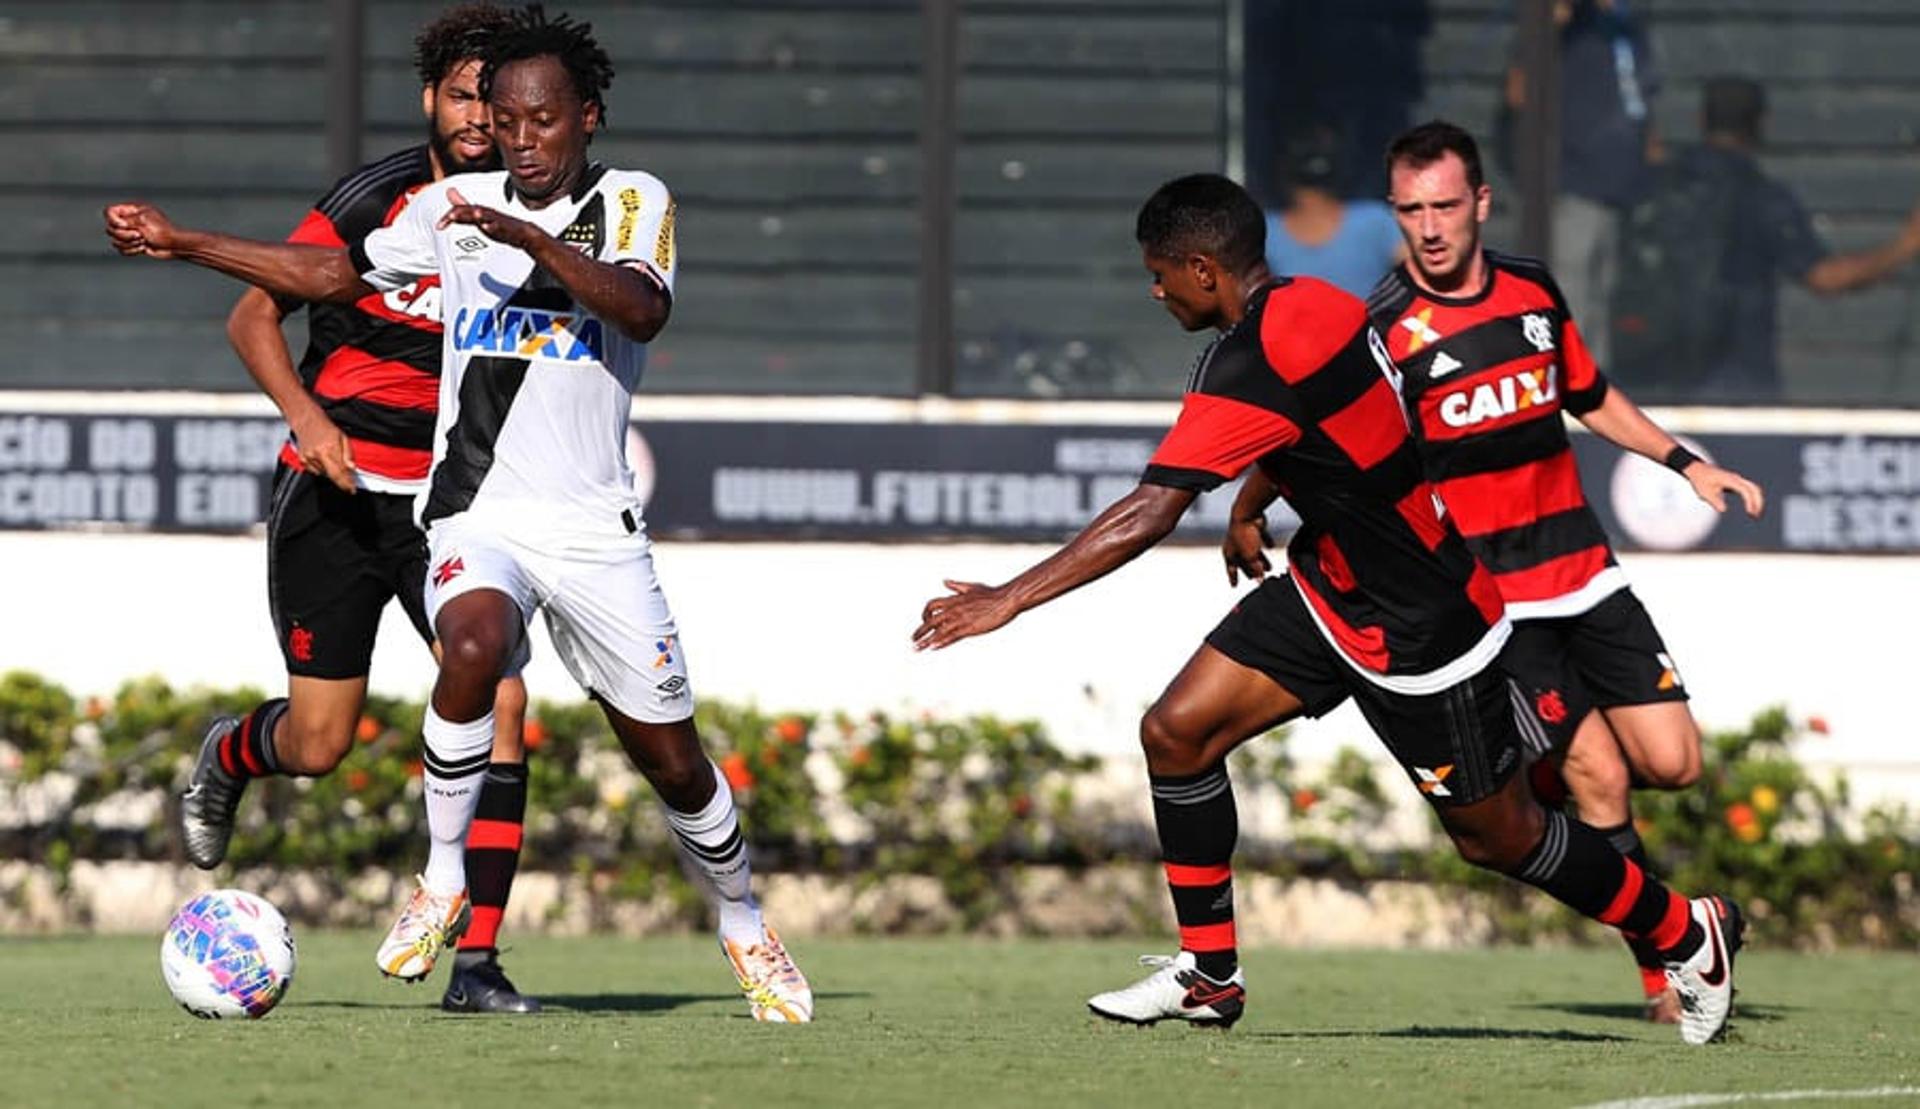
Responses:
[588,180]
[1466,301]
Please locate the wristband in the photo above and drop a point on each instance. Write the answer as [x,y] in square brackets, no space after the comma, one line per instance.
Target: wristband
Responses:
[1679,458]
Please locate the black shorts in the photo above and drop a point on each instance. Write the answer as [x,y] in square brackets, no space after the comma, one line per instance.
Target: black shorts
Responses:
[333,562]
[1605,657]
[1459,745]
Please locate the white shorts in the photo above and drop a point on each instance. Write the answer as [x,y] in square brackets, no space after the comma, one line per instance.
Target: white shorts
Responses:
[605,611]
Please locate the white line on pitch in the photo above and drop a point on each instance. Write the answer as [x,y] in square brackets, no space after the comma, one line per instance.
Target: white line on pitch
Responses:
[1691,1101]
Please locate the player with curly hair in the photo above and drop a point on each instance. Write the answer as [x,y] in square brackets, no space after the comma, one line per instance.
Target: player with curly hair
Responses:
[556,273]
[341,538]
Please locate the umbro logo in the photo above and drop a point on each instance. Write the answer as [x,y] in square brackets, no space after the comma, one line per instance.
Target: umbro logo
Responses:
[1443,364]
[472,244]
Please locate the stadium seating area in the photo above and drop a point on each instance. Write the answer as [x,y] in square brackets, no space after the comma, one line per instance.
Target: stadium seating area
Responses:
[789,132]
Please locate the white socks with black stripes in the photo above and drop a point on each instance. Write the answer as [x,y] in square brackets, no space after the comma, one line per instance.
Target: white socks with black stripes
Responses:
[714,853]
[456,762]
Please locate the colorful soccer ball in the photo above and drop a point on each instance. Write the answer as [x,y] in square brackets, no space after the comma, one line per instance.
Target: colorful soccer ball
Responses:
[227,954]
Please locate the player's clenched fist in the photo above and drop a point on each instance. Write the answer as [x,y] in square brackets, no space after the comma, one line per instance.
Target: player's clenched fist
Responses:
[140,229]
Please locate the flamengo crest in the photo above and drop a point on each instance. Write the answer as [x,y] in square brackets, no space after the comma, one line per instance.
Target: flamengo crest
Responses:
[1537,330]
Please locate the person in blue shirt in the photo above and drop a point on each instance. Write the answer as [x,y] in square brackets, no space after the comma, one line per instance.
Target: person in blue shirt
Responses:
[1347,243]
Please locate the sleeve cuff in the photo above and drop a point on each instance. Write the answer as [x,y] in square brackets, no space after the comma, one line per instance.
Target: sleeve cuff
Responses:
[357,254]
[1180,477]
[1579,402]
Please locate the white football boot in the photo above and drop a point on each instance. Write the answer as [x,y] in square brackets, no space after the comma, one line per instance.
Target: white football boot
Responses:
[1175,991]
[429,924]
[1704,981]
[776,990]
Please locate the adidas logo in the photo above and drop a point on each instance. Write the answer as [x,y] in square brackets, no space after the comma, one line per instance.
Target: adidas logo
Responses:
[1443,364]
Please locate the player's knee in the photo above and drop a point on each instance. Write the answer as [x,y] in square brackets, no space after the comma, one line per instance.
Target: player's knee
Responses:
[1591,779]
[683,782]
[1497,834]
[1171,743]
[309,749]
[1672,766]
[1481,850]
[477,654]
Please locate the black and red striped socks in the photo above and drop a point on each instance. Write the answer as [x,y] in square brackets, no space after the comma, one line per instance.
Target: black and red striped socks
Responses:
[493,852]
[1626,840]
[247,751]
[1198,826]
[1578,867]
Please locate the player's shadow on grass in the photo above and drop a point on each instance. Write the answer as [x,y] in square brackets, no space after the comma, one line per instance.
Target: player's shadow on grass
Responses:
[653,1002]
[1422,1032]
[1631,1012]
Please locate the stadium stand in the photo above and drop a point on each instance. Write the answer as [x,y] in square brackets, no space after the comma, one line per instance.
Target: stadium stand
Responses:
[789,131]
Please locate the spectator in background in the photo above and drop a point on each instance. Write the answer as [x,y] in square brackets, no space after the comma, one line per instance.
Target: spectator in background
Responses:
[1606,136]
[1348,243]
[1702,254]
[1357,67]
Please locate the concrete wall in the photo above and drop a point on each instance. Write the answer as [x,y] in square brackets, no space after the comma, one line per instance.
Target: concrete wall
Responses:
[824,626]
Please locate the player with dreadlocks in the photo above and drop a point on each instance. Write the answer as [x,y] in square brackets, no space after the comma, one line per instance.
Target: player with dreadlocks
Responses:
[556,273]
[341,538]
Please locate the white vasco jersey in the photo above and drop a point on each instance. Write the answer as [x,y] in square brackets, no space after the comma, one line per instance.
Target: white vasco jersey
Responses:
[534,390]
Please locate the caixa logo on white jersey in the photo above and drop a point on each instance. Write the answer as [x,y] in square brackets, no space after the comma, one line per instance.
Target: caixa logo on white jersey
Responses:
[530,333]
[1493,399]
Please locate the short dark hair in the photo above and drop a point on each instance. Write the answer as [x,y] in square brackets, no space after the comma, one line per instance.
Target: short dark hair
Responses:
[459,35]
[1203,214]
[1433,140]
[1732,106]
[532,35]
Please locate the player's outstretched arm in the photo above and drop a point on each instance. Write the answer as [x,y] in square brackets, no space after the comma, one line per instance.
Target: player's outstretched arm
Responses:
[289,269]
[1621,422]
[1128,527]
[623,296]
[1246,542]
[253,327]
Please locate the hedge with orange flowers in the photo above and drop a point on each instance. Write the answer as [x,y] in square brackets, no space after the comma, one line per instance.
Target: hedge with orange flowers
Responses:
[1806,864]
[965,800]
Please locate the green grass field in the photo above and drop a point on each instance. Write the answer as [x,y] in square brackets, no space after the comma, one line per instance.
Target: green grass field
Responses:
[86,1021]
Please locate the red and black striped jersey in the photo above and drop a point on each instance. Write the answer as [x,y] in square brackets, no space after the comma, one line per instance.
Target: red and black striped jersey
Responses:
[1301,386]
[374,365]
[1486,378]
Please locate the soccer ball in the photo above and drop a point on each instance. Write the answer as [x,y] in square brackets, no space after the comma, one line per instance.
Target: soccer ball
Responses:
[227,954]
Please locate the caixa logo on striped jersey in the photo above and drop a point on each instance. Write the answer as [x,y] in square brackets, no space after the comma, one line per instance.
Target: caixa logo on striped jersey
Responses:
[1492,400]
[530,333]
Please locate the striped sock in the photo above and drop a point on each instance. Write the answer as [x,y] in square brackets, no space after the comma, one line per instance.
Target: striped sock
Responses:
[1198,826]
[247,751]
[493,851]
[713,850]
[455,762]
[1578,867]
[1626,840]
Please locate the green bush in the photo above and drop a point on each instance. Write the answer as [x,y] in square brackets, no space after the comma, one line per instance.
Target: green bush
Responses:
[962,800]
[1758,828]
